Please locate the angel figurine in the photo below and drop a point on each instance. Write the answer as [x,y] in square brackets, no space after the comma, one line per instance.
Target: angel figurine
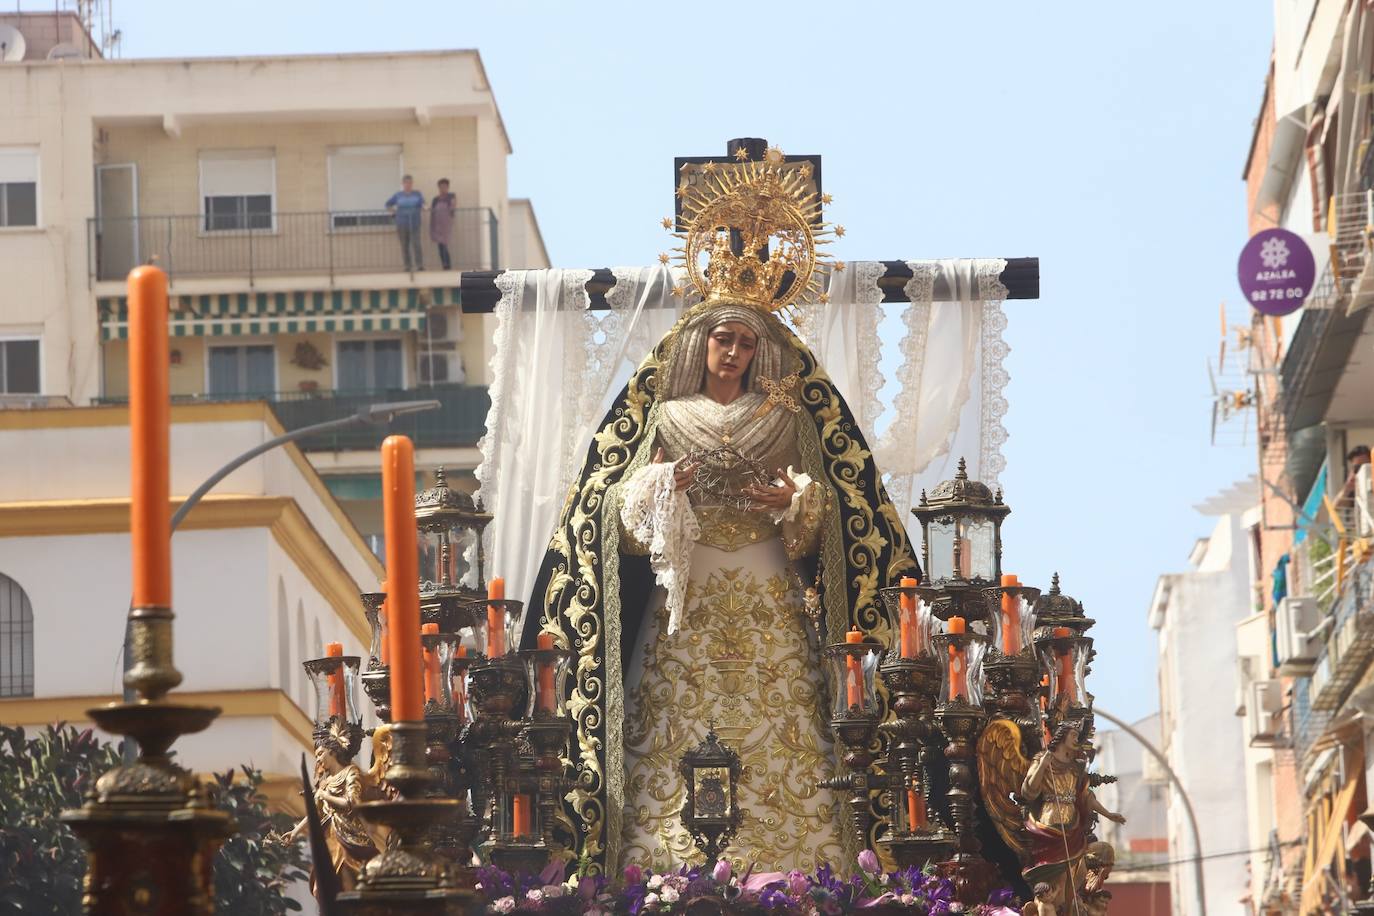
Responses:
[339,786]
[1043,809]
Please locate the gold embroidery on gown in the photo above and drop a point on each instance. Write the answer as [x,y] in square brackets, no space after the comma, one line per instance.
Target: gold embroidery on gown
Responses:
[742,660]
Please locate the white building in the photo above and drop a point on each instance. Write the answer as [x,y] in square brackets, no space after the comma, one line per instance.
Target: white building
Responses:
[265,571]
[1195,615]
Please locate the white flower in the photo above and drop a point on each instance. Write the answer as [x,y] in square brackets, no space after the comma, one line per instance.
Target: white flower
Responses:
[670,894]
[907,899]
[650,899]
[654,883]
[504,905]
[535,895]
[571,883]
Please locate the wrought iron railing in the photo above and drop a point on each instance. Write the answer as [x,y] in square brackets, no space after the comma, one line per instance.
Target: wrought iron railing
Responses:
[459,421]
[275,244]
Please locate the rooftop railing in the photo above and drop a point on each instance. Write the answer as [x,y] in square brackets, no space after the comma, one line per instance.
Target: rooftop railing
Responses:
[259,244]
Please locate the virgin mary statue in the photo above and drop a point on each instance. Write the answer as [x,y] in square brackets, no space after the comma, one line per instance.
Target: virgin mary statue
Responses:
[728,520]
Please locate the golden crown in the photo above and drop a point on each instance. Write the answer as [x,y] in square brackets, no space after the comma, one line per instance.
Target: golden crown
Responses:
[773,207]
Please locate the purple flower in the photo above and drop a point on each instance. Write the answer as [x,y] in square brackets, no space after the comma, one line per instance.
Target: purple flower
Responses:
[633,874]
[868,861]
[797,883]
[722,871]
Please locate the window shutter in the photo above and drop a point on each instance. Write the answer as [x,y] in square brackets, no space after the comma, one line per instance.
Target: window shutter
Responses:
[361,178]
[18,164]
[236,173]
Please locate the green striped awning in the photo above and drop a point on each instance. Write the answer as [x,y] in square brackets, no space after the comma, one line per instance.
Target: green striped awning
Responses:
[296,312]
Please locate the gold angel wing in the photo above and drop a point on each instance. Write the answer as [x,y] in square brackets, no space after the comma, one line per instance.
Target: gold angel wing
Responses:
[1001,769]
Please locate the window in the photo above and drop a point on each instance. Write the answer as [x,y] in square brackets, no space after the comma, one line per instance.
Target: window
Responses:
[19,367]
[361,178]
[237,189]
[16,640]
[434,368]
[18,186]
[369,365]
[249,369]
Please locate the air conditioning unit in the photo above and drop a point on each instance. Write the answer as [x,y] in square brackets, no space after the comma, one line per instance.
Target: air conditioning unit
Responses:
[1299,629]
[1265,701]
[439,358]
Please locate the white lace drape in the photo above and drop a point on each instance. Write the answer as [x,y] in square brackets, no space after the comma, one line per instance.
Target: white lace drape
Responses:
[557,365]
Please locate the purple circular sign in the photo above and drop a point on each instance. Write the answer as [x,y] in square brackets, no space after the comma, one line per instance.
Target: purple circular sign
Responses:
[1276,271]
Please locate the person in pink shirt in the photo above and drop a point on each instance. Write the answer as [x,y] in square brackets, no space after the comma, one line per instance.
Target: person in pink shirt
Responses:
[441,221]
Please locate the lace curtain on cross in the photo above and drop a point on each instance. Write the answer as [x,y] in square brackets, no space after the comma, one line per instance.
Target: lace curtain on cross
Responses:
[557,365]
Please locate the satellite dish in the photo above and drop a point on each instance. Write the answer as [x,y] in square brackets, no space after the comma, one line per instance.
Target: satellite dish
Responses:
[12,43]
[65,51]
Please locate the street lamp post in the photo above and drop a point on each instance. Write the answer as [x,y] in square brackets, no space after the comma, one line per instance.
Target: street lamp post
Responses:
[371,413]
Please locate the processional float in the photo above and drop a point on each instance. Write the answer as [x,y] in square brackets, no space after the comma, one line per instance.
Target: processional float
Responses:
[963,744]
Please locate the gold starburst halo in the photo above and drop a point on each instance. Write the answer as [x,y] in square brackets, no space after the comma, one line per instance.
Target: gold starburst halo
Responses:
[769,205]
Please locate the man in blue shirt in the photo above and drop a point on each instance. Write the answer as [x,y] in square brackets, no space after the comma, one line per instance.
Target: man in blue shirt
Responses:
[407,204]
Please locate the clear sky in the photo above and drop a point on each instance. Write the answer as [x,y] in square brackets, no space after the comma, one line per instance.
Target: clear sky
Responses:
[1108,139]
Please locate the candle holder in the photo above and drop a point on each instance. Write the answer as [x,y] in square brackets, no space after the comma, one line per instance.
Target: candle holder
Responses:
[449,525]
[517,842]
[961,523]
[550,725]
[854,720]
[913,840]
[1013,677]
[335,680]
[509,613]
[409,876]
[376,680]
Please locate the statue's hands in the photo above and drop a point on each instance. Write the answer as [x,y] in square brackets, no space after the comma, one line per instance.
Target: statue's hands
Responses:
[1115,818]
[775,497]
[683,474]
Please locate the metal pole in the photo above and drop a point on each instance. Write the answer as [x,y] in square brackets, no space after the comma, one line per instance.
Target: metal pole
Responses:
[1183,793]
[374,413]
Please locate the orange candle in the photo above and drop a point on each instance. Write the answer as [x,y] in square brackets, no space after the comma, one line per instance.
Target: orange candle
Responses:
[520,808]
[544,695]
[965,557]
[150,424]
[496,619]
[460,688]
[915,810]
[1011,617]
[336,681]
[403,576]
[1067,688]
[907,622]
[958,673]
[431,664]
[854,677]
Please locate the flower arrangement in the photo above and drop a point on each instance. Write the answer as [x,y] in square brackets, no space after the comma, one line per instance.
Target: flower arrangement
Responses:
[699,891]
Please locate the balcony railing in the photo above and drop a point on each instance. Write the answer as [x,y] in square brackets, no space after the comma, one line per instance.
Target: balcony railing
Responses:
[275,244]
[459,421]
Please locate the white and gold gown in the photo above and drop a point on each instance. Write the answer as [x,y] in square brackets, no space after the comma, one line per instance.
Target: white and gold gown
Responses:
[740,657]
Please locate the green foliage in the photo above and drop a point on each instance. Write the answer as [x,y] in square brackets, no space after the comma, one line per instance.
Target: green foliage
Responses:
[42,861]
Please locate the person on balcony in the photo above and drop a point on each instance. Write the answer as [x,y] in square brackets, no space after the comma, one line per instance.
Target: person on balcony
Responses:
[407,204]
[441,221]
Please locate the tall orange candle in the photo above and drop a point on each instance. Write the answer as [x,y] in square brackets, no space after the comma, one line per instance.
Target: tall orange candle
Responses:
[431,664]
[496,619]
[854,676]
[544,695]
[907,622]
[1067,688]
[460,688]
[965,556]
[916,815]
[1011,617]
[958,671]
[150,425]
[336,680]
[520,809]
[402,577]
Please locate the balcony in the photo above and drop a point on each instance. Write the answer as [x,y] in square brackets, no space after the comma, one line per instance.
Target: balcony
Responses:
[459,421]
[277,244]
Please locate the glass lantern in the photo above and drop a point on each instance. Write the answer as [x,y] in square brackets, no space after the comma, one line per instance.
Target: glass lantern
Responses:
[507,615]
[1011,618]
[853,671]
[335,682]
[439,649]
[374,608]
[458,684]
[961,522]
[711,811]
[1064,656]
[546,673]
[449,527]
[961,652]
[923,623]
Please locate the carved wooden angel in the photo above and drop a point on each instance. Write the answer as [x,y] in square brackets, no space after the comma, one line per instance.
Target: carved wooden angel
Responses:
[1043,808]
[338,791]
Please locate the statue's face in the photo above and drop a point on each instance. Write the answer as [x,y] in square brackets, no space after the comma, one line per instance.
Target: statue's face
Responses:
[730,348]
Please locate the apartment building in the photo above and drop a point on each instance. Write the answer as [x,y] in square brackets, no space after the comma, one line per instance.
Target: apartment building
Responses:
[261,186]
[1305,653]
